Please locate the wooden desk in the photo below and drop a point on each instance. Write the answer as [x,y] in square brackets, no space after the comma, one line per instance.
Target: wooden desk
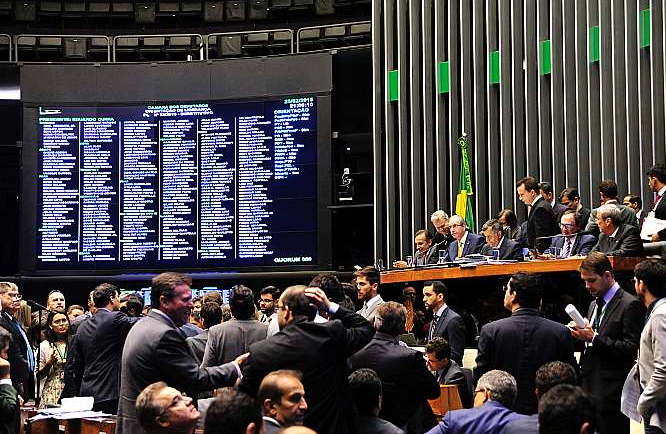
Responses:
[449,399]
[103,425]
[491,270]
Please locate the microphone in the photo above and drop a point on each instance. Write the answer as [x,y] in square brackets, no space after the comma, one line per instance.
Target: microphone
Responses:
[33,303]
[575,315]
[562,235]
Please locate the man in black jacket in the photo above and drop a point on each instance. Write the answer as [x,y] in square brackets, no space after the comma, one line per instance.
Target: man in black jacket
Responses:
[98,347]
[318,350]
[616,238]
[446,371]
[541,218]
[495,240]
[9,405]
[406,382]
[21,356]
[523,342]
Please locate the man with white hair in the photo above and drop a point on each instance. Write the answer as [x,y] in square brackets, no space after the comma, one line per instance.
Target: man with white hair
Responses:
[616,238]
[440,221]
[493,397]
[465,242]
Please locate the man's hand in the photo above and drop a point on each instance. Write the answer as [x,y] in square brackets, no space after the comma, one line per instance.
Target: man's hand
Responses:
[655,238]
[399,264]
[4,369]
[241,359]
[319,298]
[584,334]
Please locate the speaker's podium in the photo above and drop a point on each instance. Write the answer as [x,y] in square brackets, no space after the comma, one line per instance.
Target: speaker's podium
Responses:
[449,399]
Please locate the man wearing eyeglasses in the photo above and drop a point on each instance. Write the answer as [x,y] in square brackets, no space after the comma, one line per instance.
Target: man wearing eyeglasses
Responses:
[163,409]
[571,243]
[21,356]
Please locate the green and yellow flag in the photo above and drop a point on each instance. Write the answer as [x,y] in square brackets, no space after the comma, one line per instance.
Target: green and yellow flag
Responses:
[464,199]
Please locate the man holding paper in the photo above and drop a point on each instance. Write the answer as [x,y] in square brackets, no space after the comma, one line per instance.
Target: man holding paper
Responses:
[654,226]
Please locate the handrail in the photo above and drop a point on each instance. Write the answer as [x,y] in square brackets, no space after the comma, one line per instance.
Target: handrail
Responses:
[249,32]
[160,35]
[28,35]
[9,44]
[325,26]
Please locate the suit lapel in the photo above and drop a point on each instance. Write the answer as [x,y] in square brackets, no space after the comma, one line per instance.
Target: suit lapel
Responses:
[442,321]
[610,309]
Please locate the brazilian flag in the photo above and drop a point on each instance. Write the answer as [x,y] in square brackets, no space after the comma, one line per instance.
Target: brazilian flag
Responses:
[464,199]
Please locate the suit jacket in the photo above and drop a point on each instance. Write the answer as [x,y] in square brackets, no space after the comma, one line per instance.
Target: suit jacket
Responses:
[454,376]
[519,345]
[627,242]
[430,256]
[375,425]
[652,367]
[582,245]
[509,249]
[541,223]
[98,347]
[558,210]
[627,215]
[370,313]
[197,345]
[17,355]
[490,418]
[320,352]
[526,425]
[660,213]
[473,244]
[271,426]
[156,351]
[605,364]
[406,382]
[451,327]
[585,215]
[9,410]
[230,339]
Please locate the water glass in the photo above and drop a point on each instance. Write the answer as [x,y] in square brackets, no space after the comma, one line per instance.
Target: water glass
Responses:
[496,254]
[442,257]
[410,261]
[379,264]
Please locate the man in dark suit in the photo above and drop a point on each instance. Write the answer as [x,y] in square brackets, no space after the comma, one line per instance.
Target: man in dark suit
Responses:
[20,355]
[211,315]
[523,342]
[406,382]
[611,337]
[495,240]
[571,243]
[9,402]
[318,350]
[571,199]
[440,221]
[464,242]
[446,371]
[657,182]
[616,238]
[546,191]
[493,397]
[98,347]
[541,218]
[155,350]
[366,390]
[608,196]
[232,338]
[445,321]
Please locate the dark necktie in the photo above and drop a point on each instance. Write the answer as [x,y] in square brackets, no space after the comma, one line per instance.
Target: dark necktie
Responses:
[597,317]
[433,326]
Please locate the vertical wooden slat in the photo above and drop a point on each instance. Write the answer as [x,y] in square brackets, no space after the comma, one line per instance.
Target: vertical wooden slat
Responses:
[518,102]
[494,177]
[606,94]
[452,54]
[441,110]
[557,139]
[378,73]
[569,51]
[506,120]
[467,96]
[582,104]
[635,179]
[392,242]
[429,95]
[644,106]
[657,53]
[594,95]
[544,97]
[479,137]
[619,77]
[404,158]
[531,88]
[417,209]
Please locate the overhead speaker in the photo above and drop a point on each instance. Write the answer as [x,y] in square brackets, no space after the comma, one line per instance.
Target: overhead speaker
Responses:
[25,11]
[144,13]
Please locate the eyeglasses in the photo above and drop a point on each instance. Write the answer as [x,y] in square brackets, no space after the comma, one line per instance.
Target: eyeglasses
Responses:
[566,225]
[262,300]
[174,402]
[16,296]
[454,226]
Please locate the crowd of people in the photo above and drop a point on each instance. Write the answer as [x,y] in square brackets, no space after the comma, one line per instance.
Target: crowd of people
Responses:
[334,357]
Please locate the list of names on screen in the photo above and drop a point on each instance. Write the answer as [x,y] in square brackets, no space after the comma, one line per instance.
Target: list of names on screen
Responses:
[181,185]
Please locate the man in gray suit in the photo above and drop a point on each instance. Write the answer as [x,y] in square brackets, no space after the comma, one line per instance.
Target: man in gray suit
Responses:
[616,238]
[211,315]
[155,350]
[608,196]
[367,283]
[232,338]
[649,284]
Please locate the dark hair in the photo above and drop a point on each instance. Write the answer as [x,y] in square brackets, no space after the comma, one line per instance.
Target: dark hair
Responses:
[608,188]
[437,286]
[554,373]
[50,334]
[440,347]
[546,187]
[268,389]
[212,296]
[231,412]
[103,294]
[391,317]
[370,273]
[331,286]
[492,224]
[425,232]
[147,409]
[366,388]
[596,262]
[211,314]
[571,194]
[527,287]
[272,290]
[577,217]
[658,171]
[509,217]
[652,272]
[529,183]
[165,285]
[134,302]
[635,199]
[564,409]
[241,302]
[298,303]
